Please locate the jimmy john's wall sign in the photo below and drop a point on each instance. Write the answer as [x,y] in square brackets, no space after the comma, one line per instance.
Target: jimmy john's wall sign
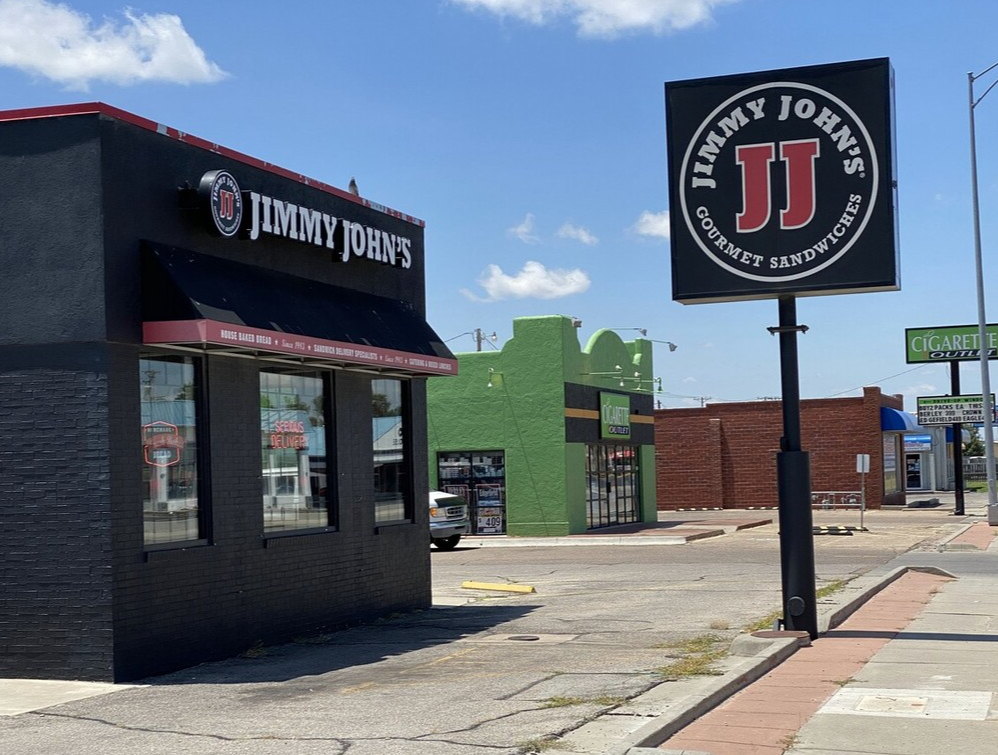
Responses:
[233,212]
[783,183]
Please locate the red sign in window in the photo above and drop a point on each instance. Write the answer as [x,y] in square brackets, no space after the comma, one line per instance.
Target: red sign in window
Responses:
[289,434]
[162,444]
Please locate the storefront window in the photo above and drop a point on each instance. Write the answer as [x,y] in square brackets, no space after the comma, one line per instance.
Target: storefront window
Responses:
[169,394]
[892,481]
[479,477]
[293,409]
[392,490]
[613,489]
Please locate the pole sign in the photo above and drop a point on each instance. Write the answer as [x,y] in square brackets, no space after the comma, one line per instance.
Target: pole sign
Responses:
[782,183]
[954,343]
[950,410]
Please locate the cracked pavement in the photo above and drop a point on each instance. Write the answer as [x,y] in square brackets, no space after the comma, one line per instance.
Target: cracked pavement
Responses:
[451,680]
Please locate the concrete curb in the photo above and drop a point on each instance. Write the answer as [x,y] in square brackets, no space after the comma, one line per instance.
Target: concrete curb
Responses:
[831,618]
[685,533]
[942,542]
[700,701]
[499,541]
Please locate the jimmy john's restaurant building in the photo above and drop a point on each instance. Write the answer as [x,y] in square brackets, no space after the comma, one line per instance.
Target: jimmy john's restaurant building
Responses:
[195,350]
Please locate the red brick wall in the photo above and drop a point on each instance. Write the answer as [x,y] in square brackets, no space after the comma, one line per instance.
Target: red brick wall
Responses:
[724,455]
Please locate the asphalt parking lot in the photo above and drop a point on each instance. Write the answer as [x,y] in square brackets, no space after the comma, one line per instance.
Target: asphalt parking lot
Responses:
[484,670]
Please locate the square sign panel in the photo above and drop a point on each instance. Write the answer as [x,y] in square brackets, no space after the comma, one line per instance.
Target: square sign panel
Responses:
[782,183]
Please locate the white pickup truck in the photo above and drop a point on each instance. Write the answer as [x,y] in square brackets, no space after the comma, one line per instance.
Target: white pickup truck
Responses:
[448,520]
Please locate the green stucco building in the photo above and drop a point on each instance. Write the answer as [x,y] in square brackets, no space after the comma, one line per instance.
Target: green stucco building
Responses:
[545,437]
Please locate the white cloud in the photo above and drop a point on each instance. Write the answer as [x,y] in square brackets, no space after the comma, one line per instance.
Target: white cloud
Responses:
[66,46]
[605,18]
[655,224]
[525,230]
[690,379]
[579,233]
[534,281]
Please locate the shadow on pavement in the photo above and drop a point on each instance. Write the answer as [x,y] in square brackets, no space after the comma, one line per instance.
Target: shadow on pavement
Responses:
[357,646]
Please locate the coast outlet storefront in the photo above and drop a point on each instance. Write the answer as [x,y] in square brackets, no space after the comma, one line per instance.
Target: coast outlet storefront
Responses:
[546,437]
[199,368]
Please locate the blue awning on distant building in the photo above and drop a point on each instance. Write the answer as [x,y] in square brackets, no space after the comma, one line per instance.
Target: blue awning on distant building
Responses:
[897,421]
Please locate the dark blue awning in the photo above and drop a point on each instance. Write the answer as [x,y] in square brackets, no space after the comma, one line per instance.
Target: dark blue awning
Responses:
[897,421]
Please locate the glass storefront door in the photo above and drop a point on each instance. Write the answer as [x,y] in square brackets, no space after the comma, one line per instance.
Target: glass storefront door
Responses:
[613,490]
[913,471]
[479,477]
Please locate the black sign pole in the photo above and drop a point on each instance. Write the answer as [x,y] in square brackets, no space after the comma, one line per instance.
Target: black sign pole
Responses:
[954,379]
[793,472]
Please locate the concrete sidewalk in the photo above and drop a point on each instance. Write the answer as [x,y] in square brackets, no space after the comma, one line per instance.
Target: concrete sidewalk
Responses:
[910,672]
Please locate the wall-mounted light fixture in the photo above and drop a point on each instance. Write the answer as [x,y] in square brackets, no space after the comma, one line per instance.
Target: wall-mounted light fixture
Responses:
[646,384]
[618,372]
[642,331]
[493,374]
[670,344]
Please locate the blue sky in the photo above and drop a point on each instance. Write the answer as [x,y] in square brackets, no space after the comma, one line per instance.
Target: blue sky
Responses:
[530,136]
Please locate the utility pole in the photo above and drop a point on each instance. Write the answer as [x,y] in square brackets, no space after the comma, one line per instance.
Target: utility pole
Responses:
[480,337]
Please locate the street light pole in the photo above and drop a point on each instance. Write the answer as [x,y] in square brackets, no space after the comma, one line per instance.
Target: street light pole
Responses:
[985,348]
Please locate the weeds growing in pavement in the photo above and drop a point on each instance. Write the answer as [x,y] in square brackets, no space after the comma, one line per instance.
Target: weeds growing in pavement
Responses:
[257,651]
[698,656]
[603,700]
[540,744]
[769,620]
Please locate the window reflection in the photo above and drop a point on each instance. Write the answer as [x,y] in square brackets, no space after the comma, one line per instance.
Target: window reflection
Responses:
[293,442]
[391,481]
[168,397]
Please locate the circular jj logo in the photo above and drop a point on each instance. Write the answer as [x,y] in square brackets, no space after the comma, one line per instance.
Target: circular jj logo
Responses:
[779,181]
[223,200]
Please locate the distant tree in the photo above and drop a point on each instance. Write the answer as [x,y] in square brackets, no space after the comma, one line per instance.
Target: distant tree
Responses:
[295,403]
[974,446]
[186,393]
[381,406]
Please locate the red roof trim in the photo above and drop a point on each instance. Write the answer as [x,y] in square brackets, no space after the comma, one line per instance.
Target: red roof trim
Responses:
[89,108]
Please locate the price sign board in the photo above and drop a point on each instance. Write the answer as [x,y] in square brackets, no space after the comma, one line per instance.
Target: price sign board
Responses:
[949,410]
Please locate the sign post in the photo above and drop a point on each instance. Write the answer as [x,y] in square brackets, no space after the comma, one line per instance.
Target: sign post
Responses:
[793,482]
[958,500]
[781,185]
[863,467]
[954,344]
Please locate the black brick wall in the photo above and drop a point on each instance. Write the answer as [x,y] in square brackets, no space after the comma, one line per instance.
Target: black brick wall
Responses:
[80,595]
[55,513]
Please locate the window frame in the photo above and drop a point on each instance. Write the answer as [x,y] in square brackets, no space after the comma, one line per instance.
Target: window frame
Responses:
[406,474]
[328,416]
[202,456]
